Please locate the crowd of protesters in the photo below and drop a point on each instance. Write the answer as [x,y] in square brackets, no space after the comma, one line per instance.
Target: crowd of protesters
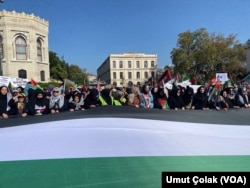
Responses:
[29,101]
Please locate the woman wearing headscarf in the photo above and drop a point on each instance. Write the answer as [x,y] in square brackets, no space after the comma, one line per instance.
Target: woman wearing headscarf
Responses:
[4,99]
[188,97]
[57,101]
[176,100]
[38,104]
[76,103]
[91,99]
[200,100]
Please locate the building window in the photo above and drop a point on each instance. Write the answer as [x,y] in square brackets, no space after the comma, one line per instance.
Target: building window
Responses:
[138,64]
[121,75]
[145,64]
[22,73]
[153,74]
[21,48]
[120,64]
[152,64]
[137,75]
[129,65]
[129,75]
[114,64]
[39,50]
[114,75]
[42,75]
[146,74]
[1,47]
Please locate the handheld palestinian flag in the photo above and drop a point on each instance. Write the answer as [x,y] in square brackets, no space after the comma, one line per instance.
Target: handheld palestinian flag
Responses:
[246,78]
[35,84]
[186,81]
[228,83]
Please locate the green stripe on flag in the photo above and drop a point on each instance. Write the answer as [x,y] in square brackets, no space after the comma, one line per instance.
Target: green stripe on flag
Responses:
[111,171]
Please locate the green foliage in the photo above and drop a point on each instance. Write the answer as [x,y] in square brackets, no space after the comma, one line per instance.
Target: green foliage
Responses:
[55,84]
[60,69]
[202,55]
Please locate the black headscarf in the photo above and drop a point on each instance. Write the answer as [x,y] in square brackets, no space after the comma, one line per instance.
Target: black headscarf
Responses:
[3,101]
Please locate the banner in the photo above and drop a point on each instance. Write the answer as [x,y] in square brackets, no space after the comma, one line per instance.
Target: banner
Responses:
[4,80]
[222,77]
[18,82]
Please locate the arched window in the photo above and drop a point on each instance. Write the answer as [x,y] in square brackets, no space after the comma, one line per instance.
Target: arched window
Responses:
[145,64]
[39,50]
[21,48]
[145,74]
[42,75]
[22,73]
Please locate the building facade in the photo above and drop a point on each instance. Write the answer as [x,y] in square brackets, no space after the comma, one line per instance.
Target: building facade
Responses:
[24,46]
[119,69]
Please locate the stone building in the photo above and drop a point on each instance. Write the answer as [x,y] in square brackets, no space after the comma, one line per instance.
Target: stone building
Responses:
[24,46]
[119,69]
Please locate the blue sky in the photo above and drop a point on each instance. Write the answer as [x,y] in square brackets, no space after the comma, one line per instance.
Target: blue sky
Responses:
[85,32]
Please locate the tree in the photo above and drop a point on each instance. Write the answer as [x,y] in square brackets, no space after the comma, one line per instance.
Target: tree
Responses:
[77,74]
[201,55]
[58,69]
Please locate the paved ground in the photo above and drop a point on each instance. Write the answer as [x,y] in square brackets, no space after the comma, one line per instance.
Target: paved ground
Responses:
[231,117]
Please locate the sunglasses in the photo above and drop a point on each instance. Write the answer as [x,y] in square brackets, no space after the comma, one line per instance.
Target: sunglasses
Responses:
[55,91]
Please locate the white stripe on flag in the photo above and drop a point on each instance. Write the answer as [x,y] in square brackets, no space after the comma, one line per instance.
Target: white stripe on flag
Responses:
[115,137]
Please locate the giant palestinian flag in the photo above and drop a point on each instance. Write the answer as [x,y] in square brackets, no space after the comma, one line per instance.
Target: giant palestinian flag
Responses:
[120,147]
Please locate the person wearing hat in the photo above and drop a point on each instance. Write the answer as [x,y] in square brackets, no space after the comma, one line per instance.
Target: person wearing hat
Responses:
[18,105]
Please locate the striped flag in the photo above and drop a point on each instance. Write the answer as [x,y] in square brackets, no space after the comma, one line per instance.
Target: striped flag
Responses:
[166,76]
[99,152]
[246,78]
[35,84]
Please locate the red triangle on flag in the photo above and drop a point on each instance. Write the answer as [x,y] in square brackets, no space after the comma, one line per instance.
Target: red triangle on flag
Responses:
[33,82]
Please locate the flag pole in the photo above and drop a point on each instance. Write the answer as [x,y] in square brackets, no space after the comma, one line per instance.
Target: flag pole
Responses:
[64,85]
